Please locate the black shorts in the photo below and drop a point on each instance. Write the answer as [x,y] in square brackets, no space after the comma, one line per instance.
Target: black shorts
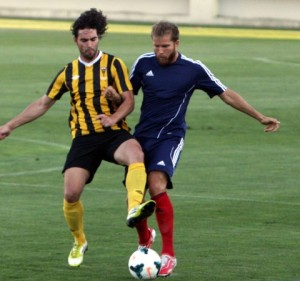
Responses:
[88,151]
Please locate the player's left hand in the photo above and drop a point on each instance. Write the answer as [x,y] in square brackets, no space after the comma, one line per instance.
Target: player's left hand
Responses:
[106,121]
[111,94]
[272,124]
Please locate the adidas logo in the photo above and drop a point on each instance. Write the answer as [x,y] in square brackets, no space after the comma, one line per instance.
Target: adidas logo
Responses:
[149,73]
[161,163]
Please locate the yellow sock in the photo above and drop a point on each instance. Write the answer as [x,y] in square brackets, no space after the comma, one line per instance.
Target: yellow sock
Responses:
[73,213]
[135,184]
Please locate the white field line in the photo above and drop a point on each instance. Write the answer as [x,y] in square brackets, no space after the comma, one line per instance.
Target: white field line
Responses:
[265,60]
[49,170]
[184,196]
[116,191]
[48,143]
[24,173]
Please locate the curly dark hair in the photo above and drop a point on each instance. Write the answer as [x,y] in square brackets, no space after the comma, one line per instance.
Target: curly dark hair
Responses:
[93,19]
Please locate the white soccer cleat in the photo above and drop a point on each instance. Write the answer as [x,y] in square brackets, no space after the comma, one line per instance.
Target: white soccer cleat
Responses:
[168,264]
[75,258]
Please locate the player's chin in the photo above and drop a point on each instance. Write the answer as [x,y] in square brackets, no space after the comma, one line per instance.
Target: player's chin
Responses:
[163,61]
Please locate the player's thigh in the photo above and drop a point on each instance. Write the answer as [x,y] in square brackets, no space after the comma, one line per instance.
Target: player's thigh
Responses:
[129,152]
[163,155]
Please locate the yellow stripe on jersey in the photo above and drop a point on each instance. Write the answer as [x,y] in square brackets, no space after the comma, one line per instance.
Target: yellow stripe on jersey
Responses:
[86,85]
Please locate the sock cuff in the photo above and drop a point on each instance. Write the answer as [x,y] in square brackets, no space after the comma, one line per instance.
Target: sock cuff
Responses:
[159,196]
[138,165]
[70,205]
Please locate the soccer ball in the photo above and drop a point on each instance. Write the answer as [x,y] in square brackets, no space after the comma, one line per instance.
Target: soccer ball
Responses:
[144,264]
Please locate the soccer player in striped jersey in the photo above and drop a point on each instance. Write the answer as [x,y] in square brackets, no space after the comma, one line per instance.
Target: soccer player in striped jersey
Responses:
[99,130]
[168,79]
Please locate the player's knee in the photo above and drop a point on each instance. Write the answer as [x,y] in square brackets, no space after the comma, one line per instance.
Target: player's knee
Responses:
[156,190]
[139,155]
[136,154]
[71,196]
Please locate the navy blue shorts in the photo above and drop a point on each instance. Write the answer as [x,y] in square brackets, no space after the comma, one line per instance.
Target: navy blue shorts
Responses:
[88,151]
[162,154]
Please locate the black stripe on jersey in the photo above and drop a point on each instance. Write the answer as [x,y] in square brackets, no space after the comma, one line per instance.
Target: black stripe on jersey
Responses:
[119,69]
[110,83]
[61,91]
[69,76]
[97,88]
[109,76]
[120,75]
[110,80]
[82,94]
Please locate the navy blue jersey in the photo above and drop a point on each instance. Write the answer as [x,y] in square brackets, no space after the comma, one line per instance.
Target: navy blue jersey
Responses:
[167,91]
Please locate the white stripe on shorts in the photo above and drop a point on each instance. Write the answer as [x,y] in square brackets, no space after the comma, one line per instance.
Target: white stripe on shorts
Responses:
[177,152]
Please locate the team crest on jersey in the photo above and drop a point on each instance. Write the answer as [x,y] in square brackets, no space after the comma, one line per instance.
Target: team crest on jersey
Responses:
[103,73]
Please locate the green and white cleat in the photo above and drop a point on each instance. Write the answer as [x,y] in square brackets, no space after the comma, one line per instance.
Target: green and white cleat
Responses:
[140,212]
[75,258]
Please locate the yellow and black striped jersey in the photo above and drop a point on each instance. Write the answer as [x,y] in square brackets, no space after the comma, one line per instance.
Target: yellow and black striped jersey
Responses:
[86,83]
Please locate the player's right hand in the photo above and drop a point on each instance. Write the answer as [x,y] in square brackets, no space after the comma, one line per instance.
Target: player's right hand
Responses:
[272,124]
[4,132]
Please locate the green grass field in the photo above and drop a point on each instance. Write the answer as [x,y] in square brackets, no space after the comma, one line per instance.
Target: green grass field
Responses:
[236,193]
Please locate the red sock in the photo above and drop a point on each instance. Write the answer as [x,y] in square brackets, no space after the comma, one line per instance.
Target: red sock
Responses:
[165,220]
[143,232]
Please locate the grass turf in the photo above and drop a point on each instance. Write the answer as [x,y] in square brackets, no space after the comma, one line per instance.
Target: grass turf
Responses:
[236,192]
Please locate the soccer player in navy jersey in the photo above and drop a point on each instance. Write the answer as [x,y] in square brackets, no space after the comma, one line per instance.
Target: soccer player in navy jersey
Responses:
[168,79]
[99,130]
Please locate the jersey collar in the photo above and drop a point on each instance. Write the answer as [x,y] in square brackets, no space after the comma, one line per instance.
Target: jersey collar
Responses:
[93,61]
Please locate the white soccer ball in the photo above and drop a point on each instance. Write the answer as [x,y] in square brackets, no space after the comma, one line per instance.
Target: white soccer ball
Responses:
[144,264]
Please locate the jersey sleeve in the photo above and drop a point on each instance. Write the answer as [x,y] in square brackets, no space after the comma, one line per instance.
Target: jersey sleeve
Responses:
[58,86]
[121,76]
[208,82]
[136,77]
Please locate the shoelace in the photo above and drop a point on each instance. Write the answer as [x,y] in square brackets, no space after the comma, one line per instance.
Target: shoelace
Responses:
[167,260]
[75,250]
[164,261]
[132,211]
